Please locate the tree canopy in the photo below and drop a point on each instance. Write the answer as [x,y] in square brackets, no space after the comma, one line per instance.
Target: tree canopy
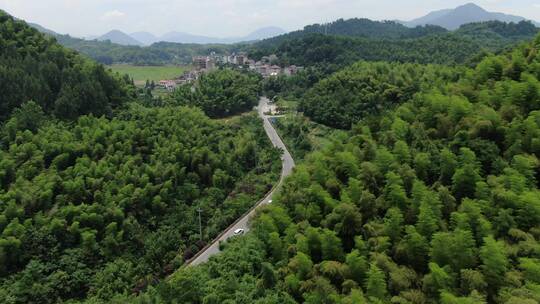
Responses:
[34,67]
[432,200]
[220,93]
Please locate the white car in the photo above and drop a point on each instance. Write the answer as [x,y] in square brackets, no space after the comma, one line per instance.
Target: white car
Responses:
[269,201]
[239,231]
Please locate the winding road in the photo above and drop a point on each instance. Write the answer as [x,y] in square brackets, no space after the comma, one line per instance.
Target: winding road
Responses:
[243,222]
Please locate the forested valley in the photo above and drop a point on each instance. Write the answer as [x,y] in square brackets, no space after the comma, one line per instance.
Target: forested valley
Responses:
[100,194]
[417,177]
[221,93]
[62,82]
[430,197]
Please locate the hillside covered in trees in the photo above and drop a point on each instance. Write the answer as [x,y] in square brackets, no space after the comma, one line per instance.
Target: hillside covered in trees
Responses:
[365,88]
[427,193]
[497,31]
[347,41]
[220,93]
[99,194]
[34,67]
[364,28]
[104,206]
[434,200]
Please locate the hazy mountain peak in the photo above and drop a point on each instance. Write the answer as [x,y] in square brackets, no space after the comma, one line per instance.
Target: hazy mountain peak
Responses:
[119,37]
[454,18]
[470,6]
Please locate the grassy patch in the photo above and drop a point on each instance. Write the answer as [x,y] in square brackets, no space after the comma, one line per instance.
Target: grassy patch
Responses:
[156,73]
[288,105]
[302,136]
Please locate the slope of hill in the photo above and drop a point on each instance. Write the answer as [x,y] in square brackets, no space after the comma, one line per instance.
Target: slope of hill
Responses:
[33,67]
[119,37]
[428,19]
[433,200]
[363,28]
[262,33]
[344,41]
[454,18]
[43,29]
[325,50]
[492,33]
[86,191]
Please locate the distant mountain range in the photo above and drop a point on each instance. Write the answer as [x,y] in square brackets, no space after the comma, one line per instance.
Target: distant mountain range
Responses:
[436,22]
[452,19]
[146,38]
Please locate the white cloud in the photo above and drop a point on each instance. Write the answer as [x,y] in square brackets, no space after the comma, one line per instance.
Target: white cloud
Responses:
[113,14]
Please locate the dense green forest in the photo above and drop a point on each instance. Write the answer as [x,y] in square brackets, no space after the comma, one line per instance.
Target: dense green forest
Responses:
[434,200]
[220,93]
[363,89]
[324,50]
[417,181]
[359,39]
[498,31]
[33,67]
[365,28]
[83,204]
[99,194]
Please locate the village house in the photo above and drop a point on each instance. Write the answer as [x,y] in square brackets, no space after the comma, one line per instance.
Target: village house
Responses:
[207,63]
[169,85]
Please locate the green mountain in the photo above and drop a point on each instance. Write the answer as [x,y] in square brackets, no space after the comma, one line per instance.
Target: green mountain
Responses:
[33,67]
[361,28]
[43,29]
[359,39]
[432,196]
[497,30]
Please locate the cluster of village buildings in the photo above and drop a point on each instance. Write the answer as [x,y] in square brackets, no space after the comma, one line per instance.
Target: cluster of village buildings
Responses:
[202,64]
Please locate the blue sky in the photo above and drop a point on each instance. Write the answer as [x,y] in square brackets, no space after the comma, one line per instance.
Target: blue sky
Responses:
[223,18]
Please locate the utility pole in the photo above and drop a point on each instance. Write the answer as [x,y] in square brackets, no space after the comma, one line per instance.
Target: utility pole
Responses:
[200,222]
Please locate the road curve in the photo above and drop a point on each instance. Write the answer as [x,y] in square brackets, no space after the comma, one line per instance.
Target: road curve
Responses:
[242,223]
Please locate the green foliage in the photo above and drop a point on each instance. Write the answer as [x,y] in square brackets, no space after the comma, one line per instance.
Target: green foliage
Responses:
[492,32]
[34,67]
[337,51]
[356,27]
[432,200]
[375,283]
[220,93]
[103,207]
[431,196]
[365,89]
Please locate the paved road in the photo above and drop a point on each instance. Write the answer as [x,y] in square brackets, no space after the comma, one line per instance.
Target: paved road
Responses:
[288,165]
